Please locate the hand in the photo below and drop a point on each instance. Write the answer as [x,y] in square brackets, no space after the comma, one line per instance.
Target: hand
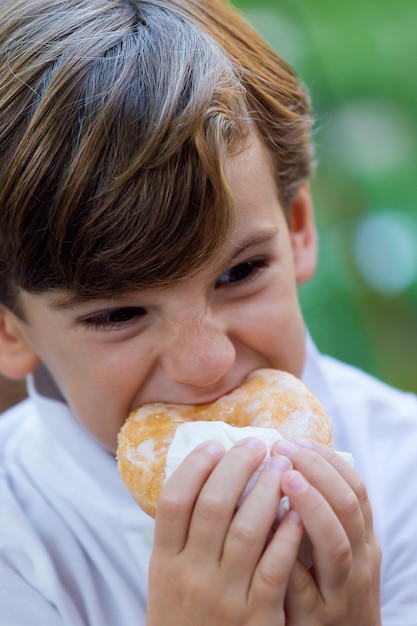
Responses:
[213,565]
[342,588]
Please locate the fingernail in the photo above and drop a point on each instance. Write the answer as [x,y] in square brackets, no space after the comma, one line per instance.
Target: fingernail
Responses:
[213,447]
[304,442]
[251,442]
[279,463]
[293,517]
[285,447]
[274,469]
[296,482]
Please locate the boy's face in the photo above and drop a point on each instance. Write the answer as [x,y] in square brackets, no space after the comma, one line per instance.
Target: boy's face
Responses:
[193,342]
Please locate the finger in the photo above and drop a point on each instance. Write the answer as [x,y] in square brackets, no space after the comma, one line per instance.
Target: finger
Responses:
[349,474]
[302,596]
[335,486]
[177,499]
[252,524]
[272,575]
[218,499]
[331,549]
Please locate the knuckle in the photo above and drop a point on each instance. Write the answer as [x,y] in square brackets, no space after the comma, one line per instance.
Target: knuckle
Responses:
[226,611]
[351,505]
[211,505]
[375,554]
[304,458]
[340,552]
[170,504]
[190,590]
[378,555]
[370,582]
[157,570]
[270,575]
[247,454]
[361,491]
[244,532]
[318,508]
[301,584]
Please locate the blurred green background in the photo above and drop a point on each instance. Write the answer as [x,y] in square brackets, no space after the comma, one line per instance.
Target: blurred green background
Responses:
[358,60]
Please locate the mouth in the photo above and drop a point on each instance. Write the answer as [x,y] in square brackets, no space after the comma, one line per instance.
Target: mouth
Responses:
[183,395]
[198,399]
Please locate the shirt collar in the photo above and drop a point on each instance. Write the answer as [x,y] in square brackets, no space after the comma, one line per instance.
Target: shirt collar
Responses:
[84,466]
[314,377]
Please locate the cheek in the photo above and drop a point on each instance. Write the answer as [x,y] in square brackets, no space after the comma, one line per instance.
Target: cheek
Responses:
[270,312]
[275,329]
[100,386]
[108,383]
[102,404]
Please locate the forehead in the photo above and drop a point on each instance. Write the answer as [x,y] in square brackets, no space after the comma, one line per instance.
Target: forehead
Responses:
[253,183]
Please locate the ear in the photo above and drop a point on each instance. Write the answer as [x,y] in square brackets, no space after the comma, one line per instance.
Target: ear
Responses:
[16,357]
[303,234]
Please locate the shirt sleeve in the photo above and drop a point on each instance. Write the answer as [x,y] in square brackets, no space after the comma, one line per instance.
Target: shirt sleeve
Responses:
[399,511]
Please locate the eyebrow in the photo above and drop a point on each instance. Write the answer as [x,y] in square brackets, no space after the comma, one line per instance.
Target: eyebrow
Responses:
[260,237]
[70,301]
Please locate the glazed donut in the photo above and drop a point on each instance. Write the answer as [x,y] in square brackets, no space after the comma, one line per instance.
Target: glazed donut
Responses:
[267,399]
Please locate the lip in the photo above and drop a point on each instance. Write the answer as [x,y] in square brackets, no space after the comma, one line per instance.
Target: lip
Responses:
[195,397]
[200,400]
[213,398]
[216,395]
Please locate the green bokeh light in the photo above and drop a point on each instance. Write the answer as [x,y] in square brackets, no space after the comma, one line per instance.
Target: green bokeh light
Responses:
[359,63]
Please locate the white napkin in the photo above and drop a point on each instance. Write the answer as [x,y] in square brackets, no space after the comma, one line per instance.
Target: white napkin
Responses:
[191,434]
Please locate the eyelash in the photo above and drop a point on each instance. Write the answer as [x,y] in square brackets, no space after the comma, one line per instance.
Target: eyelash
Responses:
[126,314]
[254,267]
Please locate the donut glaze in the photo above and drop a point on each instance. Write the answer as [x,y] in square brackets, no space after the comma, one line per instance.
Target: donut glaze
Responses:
[267,398]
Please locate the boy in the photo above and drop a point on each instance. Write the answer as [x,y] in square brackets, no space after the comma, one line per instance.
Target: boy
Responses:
[155,222]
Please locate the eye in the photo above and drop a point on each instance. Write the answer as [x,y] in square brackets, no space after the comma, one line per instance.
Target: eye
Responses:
[115,318]
[243,272]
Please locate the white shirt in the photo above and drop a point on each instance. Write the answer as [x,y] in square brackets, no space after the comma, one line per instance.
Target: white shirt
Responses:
[75,548]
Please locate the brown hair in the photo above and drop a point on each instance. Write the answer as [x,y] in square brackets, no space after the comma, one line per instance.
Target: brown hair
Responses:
[117,120]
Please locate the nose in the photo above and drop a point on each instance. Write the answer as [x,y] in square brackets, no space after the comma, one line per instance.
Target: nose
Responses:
[198,353]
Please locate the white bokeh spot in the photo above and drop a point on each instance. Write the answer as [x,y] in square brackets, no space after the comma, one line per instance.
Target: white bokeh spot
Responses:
[385,251]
